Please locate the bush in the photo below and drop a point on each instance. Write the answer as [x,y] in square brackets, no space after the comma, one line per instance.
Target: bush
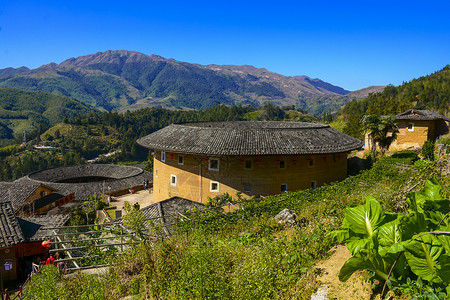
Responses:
[428,150]
[411,155]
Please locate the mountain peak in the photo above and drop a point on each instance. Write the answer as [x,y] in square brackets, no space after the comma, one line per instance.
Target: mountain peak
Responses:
[109,57]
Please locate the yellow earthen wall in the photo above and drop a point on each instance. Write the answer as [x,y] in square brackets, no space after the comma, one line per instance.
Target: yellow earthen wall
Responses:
[423,130]
[193,179]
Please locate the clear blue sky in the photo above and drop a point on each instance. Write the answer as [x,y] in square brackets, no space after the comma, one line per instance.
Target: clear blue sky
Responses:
[352,44]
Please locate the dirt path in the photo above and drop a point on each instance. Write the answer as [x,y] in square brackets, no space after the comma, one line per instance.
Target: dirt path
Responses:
[332,288]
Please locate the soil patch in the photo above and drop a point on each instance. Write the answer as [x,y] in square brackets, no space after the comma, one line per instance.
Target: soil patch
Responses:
[354,288]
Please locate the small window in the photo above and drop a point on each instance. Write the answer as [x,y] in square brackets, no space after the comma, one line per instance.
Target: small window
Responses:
[180,159]
[213,164]
[214,186]
[283,188]
[311,162]
[173,180]
[410,126]
[282,164]
[248,164]
[313,185]
[247,187]
[163,156]
[43,193]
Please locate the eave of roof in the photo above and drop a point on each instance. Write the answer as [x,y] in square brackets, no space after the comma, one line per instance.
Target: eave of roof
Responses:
[421,115]
[250,138]
[10,231]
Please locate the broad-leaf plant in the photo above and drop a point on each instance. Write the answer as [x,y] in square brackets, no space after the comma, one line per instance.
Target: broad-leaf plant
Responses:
[395,246]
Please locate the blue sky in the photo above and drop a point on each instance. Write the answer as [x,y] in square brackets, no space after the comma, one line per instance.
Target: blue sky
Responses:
[352,44]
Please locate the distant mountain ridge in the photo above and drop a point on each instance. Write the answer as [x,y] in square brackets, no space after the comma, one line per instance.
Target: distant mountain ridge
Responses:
[129,80]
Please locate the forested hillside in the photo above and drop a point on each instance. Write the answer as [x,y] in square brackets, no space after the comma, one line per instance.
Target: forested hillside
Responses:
[86,136]
[430,92]
[26,111]
[130,80]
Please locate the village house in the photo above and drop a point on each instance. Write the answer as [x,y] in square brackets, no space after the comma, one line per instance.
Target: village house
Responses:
[201,160]
[416,126]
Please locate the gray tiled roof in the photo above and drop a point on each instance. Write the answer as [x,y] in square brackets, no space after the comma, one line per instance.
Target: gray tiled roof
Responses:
[120,177]
[10,231]
[166,211]
[250,138]
[46,200]
[33,227]
[421,114]
[17,193]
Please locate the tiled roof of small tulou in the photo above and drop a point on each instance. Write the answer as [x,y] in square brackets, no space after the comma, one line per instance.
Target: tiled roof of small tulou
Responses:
[250,138]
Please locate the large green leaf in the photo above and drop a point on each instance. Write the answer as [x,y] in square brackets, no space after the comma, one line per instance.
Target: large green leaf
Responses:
[365,219]
[444,271]
[355,245]
[389,233]
[431,192]
[423,256]
[413,224]
[339,235]
[364,260]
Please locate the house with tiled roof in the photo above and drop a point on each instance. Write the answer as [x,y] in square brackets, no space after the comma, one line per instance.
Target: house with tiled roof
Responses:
[200,160]
[31,198]
[20,242]
[166,213]
[416,126]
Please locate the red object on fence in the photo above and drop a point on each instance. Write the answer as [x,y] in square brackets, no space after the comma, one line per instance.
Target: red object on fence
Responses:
[46,244]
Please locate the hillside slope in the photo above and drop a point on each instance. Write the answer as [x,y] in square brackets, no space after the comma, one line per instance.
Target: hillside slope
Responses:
[21,110]
[126,79]
[431,92]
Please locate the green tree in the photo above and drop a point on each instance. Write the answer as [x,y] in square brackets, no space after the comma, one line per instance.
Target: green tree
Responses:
[382,130]
[428,150]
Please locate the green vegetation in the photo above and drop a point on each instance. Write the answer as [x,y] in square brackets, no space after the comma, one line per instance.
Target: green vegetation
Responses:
[31,111]
[126,79]
[428,150]
[382,130]
[88,136]
[397,247]
[430,92]
[247,254]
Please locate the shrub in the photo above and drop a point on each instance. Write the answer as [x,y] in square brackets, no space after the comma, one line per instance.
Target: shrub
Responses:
[428,150]
[408,154]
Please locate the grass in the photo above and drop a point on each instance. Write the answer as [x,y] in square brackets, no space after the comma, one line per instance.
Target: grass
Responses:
[247,254]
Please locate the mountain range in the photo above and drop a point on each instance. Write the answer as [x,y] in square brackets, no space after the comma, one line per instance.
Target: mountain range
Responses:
[127,80]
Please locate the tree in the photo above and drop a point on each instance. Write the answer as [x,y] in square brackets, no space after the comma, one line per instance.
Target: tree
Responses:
[382,130]
[428,150]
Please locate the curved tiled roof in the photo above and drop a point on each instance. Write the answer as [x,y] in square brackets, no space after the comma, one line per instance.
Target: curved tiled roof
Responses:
[87,170]
[250,138]
[119,177]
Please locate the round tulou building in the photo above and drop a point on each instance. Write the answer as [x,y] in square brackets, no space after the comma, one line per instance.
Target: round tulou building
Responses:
[200,160]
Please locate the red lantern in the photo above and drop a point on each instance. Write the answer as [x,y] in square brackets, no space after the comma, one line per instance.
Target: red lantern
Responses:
[46,244]
[295,161]
[171,155]
[258,162]
[242,161]
[278,161]
[206,158]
